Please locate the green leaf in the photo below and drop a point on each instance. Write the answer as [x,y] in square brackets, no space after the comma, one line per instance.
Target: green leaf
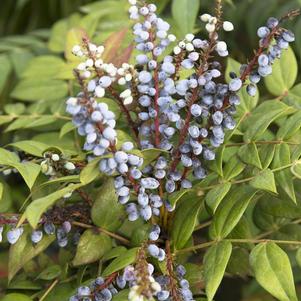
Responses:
[230,211]
[215,263]
[6,119]
[150,155]
[273,271]
[266,154]
[31,147]
[216,195]
[290,127]
[263,116]
[296,169]
[122,295]
[248,153]
[298,257]
[176,196]
[14,109]
[44,66]
[5,70]
[28,170]
[121,262]
[113,253]
[50,272]
[284,177]
[59,31]
[40,89]
[66,128]
[107,212]
[284,74]
[24,250]
[184,222]
[16,297]
[91,247]
[185,13]
[35,209]
[1,190]
[233,168]
[265,181]
[90,172]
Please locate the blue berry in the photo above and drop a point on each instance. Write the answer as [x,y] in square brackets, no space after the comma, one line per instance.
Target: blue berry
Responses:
[153,250]
[251,89]
[263,60]
[272,22]
[36,236]
[150,183]
[145,77]
[263,32]
[235,84]
[196,110]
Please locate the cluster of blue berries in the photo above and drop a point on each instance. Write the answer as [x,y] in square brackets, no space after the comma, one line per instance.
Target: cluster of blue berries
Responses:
[103,290]
[14,233]
[94,121]
[272,50]
[183,286]
[153,249]
[185,118]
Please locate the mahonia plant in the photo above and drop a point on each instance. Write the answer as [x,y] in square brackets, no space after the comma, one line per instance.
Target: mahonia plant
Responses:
[178,110]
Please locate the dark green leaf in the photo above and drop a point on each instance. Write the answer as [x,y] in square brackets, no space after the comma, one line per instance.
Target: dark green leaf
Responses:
[215,263]
[273,271]
[185,12]
[216,195]
[40,89]
[24,250]
[91,247]
[264,180]
[35,209]
[231,210]
[248,153]
[107,212]
[184,222]
[121,262]
[284,74]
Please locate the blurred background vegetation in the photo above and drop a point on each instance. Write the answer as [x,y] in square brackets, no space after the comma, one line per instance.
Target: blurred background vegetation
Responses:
[36,37]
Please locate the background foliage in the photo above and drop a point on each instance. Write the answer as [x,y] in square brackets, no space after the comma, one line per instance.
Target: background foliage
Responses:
[36,38]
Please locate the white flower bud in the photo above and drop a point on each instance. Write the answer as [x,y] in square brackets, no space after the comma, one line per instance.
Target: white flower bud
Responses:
[171,37]
[98,63]
[89,63]
[205,17]
[121,81]
[156,287]
[213,20]
[210,27]
[126,93]
[81,67]
[128,100]
[177,50]
[189,37]
[221,46]
[228,26]
[189,47]
[100,49]
[69,166]
[92,47]
[55,157]
[72,101]
[99,92]
[86,74]
[76,49]
[128,77]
